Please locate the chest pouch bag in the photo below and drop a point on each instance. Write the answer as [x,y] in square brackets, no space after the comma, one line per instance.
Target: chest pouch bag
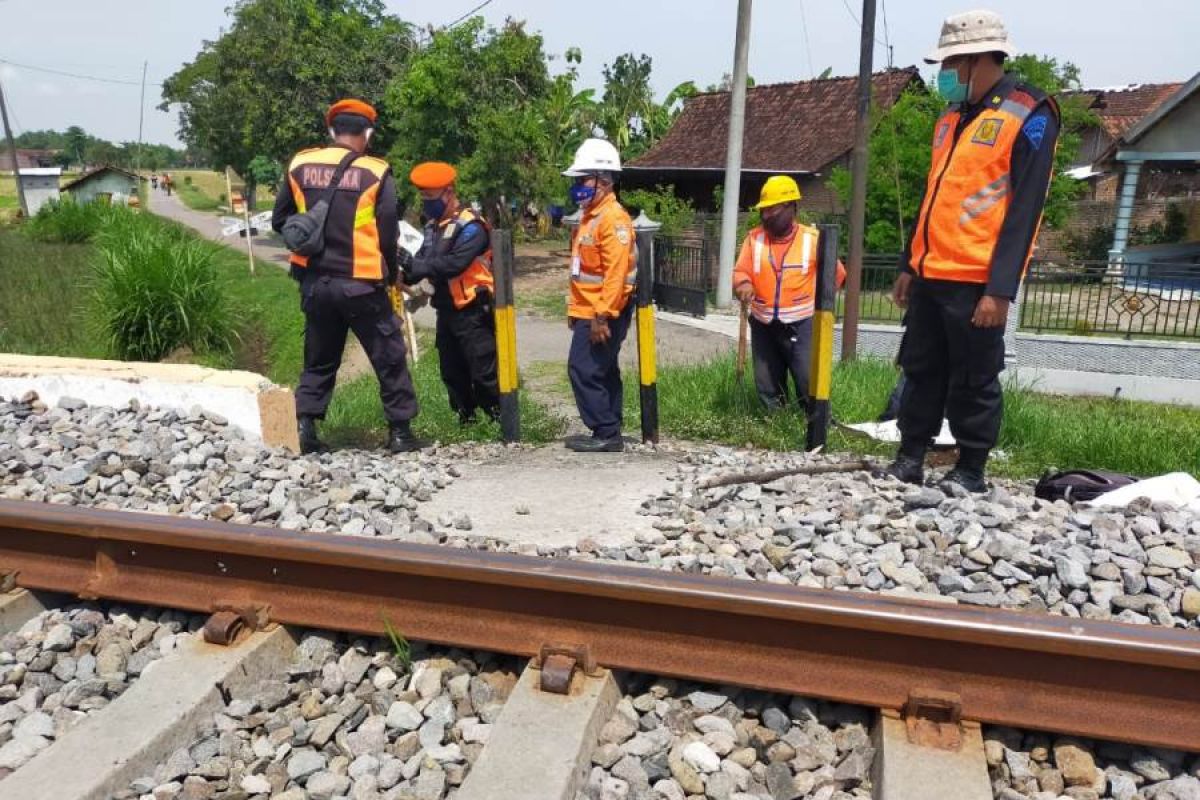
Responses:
[304,234]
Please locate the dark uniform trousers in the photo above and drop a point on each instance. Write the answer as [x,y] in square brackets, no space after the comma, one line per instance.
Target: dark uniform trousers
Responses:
[466,344]
[950,366]
[595,373]
[332,306]
[780,349]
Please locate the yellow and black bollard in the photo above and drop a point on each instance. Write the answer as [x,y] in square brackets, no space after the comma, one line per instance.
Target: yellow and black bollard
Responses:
[820,378]
[506,336]
[647,368]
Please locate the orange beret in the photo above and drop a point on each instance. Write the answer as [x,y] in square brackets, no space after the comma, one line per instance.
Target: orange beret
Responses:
[350,106]
[432,175]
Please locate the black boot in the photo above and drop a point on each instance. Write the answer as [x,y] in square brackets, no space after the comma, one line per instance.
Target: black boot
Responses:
[906,469]
[309,441]
[594,444]
[402,440]
[968,472]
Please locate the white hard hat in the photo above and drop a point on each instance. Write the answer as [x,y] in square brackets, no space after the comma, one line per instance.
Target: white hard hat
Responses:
[969,33]
[594,155]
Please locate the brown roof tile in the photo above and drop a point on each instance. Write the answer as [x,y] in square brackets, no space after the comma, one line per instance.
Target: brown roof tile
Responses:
[1121,109]
[790,127]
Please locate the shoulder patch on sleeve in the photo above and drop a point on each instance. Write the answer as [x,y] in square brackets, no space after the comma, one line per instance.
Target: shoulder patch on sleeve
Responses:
[1035,129]
[622,232]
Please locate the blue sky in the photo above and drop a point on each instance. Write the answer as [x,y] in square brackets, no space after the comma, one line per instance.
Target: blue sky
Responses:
[688,40]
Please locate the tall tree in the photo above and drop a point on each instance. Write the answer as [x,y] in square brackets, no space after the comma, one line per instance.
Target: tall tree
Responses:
[263,86]
[474,96]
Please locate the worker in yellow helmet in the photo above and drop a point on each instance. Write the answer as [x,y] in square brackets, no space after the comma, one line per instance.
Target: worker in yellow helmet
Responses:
[776,274]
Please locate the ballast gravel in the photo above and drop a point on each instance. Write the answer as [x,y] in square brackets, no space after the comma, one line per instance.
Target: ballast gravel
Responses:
[349,719]
[66,663]
[671,740]
[1041,766]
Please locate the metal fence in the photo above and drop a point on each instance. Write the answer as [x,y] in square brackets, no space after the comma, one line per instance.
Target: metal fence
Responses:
[1081,298]
[682,274]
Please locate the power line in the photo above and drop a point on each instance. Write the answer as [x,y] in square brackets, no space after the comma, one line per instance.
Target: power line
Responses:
[477,8]
[76,75]
[812,73]
[858,21]
[887,37]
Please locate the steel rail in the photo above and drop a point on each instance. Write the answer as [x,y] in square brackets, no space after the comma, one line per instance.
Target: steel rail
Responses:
[1136,684]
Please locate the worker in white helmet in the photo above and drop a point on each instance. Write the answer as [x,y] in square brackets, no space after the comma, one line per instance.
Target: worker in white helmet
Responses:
[602,284]
[993,154]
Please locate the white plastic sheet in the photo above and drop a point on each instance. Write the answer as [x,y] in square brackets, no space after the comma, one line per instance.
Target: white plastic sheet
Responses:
[1177,488]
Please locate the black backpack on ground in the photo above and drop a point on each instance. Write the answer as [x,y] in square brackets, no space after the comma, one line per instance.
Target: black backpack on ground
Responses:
[1078,485]
[304,234]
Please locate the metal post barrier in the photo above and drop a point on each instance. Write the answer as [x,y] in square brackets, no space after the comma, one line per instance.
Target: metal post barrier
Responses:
[820,379]
[647,368]
[506,336]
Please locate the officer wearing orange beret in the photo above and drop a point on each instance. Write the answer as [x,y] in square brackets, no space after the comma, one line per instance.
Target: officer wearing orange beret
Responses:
[342,283]
[456,257]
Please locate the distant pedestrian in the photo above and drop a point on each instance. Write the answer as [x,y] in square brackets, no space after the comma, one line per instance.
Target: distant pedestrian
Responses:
[776,274]
[167,183]
[342,285]
[603,276]
[993,154]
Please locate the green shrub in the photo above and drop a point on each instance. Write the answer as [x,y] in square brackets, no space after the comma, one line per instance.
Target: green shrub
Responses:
[68,222]
[157,290]
[661,205]
[187,179]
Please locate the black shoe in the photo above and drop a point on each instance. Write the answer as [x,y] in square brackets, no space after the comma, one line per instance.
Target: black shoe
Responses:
[969,479]
[402,440]
[905,469]
[309,441]
[593,444]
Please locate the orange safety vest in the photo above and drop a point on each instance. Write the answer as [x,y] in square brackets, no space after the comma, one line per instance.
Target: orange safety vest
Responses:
[313,170]
[966,196]
[603,245]
[785,291]
[478,275]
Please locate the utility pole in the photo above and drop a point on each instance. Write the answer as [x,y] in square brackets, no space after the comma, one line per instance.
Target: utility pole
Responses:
[12,149]
[858,186]
[733,156]
[137,161]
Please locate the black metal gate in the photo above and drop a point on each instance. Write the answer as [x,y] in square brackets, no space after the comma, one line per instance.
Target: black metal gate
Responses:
[681,275]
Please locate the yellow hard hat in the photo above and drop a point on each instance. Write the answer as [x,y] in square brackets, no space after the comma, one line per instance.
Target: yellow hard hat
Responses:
[778,189]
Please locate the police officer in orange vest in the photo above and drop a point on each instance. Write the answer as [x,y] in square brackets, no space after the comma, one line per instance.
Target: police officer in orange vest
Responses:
[603,277]
[993,154]
[776,273]
[342,287]
[456,257]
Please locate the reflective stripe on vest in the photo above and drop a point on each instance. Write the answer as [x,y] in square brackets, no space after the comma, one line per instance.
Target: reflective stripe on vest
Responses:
[366,259]
[786,292]
[595,278]
[464,288]
[967,193]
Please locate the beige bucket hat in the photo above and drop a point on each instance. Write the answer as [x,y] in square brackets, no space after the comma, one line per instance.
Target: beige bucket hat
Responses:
[969,33]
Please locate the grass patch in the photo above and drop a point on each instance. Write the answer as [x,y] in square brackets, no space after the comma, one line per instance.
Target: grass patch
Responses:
[68,222]
[206,191]
[356,418]
[45,300]
[546,303]
[196,199]
[705,402]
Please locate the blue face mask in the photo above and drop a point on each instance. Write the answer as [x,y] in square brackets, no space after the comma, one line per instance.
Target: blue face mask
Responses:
[581,194]
[433,209]
[950,87]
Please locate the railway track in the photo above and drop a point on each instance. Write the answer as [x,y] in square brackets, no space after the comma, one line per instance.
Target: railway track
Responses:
[937,667]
